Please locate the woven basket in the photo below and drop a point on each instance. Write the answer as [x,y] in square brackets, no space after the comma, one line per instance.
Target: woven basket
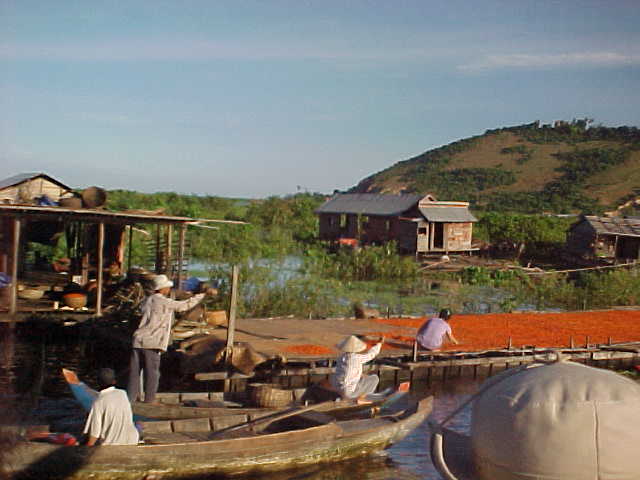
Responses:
[31,294]
[70,202]
[93,197]
[269,395]
[75,300]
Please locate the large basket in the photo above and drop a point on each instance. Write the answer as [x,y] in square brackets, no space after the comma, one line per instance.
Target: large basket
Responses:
[94,197]
[75,300]
[269,395]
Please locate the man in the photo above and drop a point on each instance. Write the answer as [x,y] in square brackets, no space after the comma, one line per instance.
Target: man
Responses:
[348,380]
[152,336]
[110,419]
[436,331]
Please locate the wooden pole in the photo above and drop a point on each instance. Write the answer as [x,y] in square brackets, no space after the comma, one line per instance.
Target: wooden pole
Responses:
[415,350]
[158,253]
[167,249]
[232,311]
[130,247]
[15,252]
[183,230]
[100,268]
[231,328]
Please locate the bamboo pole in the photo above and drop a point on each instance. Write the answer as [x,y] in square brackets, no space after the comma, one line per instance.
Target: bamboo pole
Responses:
[100,268]
[15,252]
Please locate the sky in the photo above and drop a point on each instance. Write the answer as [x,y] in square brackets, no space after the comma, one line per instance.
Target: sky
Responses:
[244,98]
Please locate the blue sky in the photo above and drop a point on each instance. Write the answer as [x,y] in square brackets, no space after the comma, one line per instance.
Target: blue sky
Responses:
[257,98]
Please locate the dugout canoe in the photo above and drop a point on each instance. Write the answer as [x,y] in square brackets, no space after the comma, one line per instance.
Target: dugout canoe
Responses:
[184,455]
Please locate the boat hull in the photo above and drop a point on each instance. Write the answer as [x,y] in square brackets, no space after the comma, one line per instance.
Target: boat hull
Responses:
[227,457]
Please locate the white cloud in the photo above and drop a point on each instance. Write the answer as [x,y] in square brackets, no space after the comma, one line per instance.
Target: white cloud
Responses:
[577,59]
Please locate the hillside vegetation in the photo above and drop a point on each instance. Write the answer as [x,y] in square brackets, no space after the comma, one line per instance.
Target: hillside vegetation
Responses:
[531,168]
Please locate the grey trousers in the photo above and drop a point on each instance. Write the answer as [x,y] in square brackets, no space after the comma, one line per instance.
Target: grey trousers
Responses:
[366,385]
[149,361]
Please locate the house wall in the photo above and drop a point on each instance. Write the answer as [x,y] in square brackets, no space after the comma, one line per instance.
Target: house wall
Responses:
[26,191]
[458,236]
[381,229]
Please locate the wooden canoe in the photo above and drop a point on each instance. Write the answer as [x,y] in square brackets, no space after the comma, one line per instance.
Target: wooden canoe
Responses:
[183,455]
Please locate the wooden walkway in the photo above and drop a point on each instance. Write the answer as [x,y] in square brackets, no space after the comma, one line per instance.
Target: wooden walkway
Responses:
[434,367]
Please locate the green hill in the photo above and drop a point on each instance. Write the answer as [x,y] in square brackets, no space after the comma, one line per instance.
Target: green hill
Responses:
[565,167]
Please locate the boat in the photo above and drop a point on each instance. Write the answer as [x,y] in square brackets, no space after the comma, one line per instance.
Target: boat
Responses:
[282,441]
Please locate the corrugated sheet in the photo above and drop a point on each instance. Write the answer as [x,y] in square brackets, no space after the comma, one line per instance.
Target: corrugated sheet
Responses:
[22,177]
[447,214]
[628,227]
[369,204]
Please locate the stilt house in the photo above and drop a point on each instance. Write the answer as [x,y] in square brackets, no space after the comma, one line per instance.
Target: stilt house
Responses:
[612,237]
[96,243]
[418,223]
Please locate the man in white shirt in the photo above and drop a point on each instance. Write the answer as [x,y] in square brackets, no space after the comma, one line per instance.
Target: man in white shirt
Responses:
[153,334]
[110,420]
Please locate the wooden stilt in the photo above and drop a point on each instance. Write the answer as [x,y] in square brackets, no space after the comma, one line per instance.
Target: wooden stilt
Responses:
[181,246]
[232,319]
[15,252]
[100,268]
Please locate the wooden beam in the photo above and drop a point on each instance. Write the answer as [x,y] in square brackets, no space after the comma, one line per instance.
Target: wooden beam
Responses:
[233,308]
[158,255]
[15,252]
[167,249]
[181,246]
[100,269]
[130,247]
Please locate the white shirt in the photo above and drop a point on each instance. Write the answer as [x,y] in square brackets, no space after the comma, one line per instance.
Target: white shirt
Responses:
[349,369]
[157,319]
[111,418]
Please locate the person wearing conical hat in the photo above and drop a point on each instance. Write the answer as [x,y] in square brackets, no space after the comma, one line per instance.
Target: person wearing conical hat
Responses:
[152,336]
[348,380]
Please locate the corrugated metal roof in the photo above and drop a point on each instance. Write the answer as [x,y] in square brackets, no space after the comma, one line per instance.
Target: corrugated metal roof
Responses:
[22,177]
[627,227]
[369,203]
[447,214]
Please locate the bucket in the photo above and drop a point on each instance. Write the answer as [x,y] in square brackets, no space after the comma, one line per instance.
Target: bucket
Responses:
[93,197]
[269,395]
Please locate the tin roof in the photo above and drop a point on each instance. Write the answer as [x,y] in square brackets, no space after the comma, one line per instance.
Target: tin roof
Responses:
[435,213]
[90,215]
[369,203]
[23,177]
[626,227]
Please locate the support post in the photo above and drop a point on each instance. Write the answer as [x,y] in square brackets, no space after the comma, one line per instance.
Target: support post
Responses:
[183,230]
[167,249]
[100,269]
[130,247]
[158,253]
[15,252]
[231,329]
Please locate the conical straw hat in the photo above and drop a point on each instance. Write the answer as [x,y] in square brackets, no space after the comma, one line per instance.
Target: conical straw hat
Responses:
[352,344]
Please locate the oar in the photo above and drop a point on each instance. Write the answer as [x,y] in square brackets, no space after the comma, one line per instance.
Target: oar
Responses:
[263,422]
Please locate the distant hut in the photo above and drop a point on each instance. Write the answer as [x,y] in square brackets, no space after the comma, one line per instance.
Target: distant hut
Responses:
[29,187]
[611,237]
[418,223]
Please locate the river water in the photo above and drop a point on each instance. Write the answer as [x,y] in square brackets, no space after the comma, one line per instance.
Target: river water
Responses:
[21,372]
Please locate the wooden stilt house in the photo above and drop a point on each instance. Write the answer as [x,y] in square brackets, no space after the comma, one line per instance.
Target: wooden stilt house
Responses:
[418,223]
[612,237]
